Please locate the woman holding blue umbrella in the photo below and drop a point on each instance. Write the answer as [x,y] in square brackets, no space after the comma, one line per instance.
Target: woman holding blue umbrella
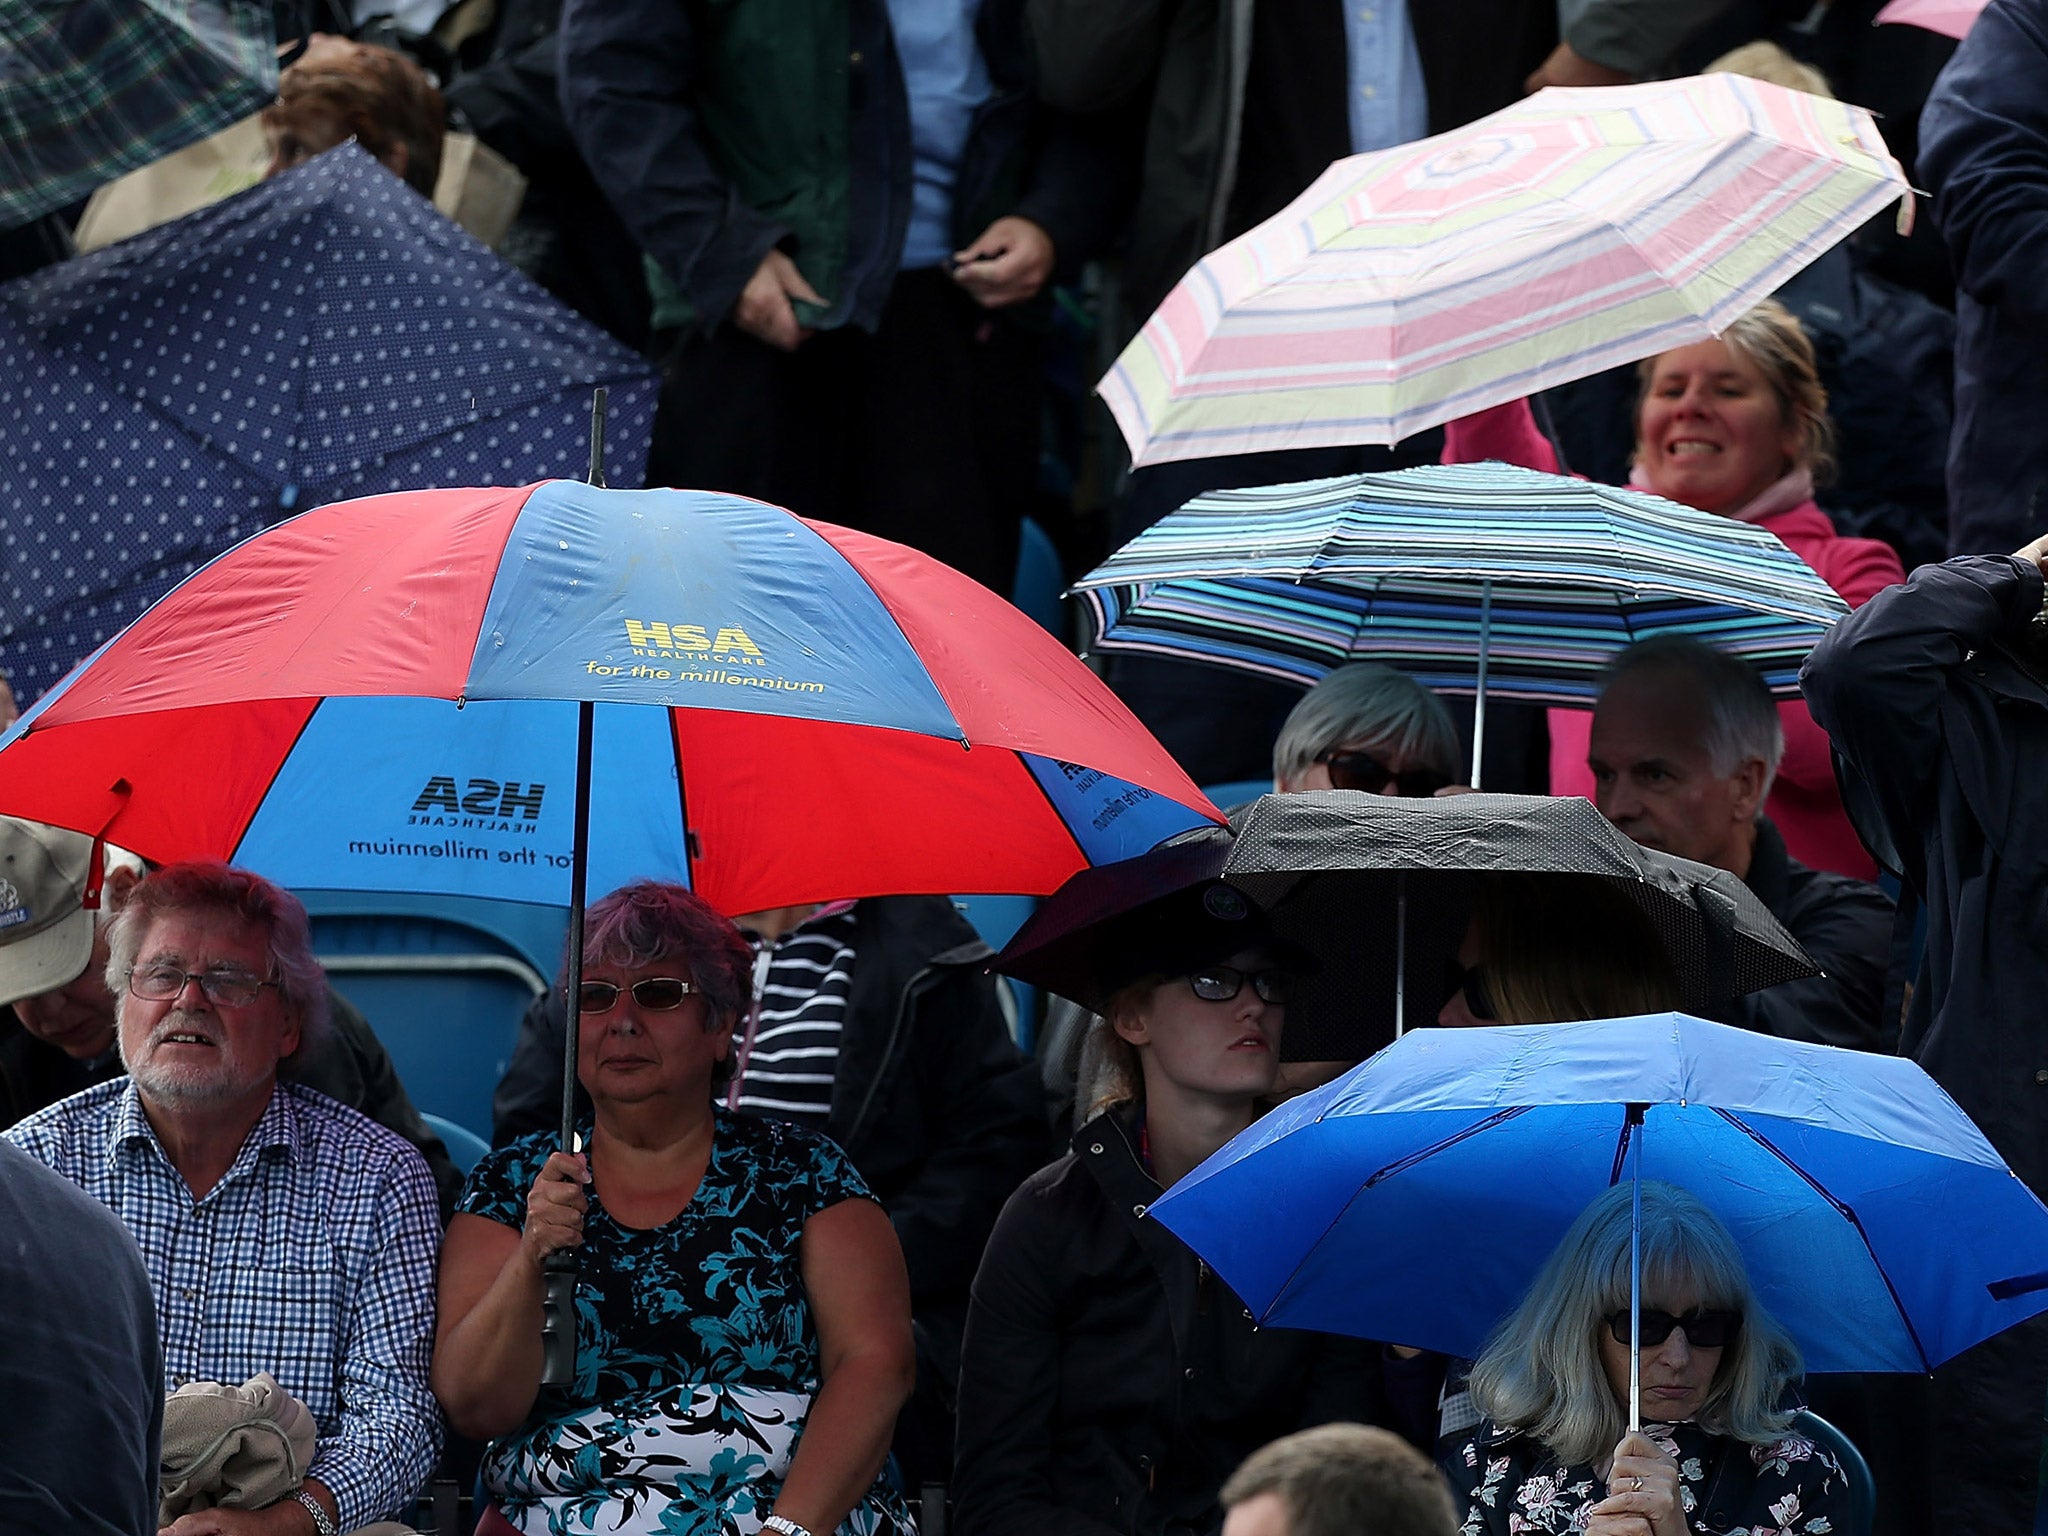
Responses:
[1563,1446]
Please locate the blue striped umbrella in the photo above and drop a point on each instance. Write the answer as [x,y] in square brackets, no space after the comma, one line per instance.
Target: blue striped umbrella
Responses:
[1479,579]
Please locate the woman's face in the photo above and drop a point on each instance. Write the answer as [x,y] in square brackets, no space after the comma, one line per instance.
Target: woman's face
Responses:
[1458,1011]
[632,1052]
[1710,432]
[1676,1376]
[1229,1049]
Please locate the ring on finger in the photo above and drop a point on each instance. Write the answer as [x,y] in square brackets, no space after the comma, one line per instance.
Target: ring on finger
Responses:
[1638,1486]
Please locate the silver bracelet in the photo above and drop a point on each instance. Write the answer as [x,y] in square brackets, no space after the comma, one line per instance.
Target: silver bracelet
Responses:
[323,1523]
[781,1524]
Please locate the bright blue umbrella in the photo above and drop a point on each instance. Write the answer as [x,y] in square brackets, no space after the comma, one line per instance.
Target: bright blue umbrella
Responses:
[1414,1198]
[324,335]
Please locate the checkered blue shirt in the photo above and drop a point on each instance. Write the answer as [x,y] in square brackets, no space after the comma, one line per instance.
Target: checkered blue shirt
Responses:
[312,1259]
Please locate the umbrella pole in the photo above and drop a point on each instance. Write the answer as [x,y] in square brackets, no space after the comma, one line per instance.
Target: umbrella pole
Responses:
[1479,699]
[1635,1271]
[558,1311]
[1400,953]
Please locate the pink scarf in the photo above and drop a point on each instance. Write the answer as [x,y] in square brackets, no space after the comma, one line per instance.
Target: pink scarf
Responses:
[1782,495]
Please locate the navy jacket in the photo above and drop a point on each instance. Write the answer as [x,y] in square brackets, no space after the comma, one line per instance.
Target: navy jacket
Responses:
[1984,153]
[1934,694]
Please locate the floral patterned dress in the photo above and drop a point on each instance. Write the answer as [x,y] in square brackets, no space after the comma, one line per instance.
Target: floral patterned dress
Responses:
[696,1356]
[1508,1484]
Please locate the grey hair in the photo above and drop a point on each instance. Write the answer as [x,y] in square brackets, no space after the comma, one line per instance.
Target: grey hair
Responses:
[1376,706]
[248,897]
[1541,1372]
[1742,717]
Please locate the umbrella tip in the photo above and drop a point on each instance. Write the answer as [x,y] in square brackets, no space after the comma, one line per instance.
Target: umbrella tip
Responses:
[597,400]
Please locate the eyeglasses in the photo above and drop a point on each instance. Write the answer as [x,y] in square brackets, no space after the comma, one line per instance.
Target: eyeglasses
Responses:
[1703,1329]
[1220,983]
[657,994]
[224,989]
[1470,980]
[1352,769]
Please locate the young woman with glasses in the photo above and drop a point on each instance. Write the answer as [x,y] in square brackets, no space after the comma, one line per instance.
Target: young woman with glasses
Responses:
[743,1314]
[1715,1456]
[1109,1381]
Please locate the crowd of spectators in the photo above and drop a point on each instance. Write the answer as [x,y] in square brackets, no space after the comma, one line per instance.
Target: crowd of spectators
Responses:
[845,1262]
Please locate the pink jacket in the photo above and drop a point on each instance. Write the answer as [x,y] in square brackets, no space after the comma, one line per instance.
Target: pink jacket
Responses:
[1805,803]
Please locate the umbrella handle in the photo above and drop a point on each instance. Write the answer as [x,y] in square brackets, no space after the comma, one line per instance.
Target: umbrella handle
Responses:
[1635,1269]
[558,1320]
[1479,694]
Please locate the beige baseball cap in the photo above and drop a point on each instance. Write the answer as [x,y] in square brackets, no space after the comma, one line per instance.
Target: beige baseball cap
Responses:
[45,926]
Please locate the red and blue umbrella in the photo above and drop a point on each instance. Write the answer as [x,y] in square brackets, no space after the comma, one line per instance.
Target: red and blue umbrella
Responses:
[384,694]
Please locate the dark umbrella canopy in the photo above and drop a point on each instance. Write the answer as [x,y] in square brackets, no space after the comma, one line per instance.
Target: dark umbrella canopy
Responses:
[324,335]
[90,89]
[1367,882]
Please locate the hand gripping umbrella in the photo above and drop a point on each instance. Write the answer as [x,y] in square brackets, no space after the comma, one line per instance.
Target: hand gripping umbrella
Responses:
[409,692]
[1379,890]
[1414,1198]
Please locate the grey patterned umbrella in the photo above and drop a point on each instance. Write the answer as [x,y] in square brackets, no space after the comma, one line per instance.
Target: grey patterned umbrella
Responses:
[1380,890]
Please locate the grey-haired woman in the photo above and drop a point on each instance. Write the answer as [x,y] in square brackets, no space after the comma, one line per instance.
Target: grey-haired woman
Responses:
[1715,1456]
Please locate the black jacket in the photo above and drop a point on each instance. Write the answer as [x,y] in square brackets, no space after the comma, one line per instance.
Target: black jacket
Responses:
[350,1065]
[1110,1382]
[939,1111]
[1103,56]
[1846,925]
[1934,694]
[1984,155]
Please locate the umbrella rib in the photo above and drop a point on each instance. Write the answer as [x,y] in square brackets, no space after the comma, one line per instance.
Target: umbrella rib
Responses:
[1848,1215]
[1500,1117]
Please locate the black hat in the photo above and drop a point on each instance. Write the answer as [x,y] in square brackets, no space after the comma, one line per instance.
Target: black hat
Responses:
[1203,925]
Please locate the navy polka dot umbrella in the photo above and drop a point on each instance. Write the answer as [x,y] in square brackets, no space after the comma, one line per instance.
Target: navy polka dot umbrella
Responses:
[326,334]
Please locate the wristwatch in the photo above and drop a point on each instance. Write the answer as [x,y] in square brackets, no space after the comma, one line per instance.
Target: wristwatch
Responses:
[323,1523]
[781,1524]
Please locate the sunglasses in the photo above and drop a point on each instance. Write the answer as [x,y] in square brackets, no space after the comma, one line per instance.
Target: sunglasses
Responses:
[1470,980]
[1352,769]
[1220,983]
[657,994]
[1703,1329]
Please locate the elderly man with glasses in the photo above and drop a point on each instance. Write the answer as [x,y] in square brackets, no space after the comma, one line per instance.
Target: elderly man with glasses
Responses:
[282,1232]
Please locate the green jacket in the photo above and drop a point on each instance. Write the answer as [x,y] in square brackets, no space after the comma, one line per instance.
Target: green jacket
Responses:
[722,129]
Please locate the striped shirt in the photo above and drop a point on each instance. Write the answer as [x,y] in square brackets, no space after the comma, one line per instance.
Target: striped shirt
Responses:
[789,1052]
[312,1259]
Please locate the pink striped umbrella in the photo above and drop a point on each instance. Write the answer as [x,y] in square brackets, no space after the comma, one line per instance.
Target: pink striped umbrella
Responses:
[1951,18]
[1567,234]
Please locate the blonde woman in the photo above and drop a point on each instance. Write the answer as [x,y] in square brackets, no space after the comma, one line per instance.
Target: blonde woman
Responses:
[1715,1456]
[1737,426]
[1109,1382]
[1554,949]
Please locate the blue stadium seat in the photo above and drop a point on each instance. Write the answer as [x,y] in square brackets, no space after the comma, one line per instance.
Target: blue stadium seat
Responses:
[464,1146]
[1039,585]
[1862,1510]
[997,919]
[443,981]
[1224,796]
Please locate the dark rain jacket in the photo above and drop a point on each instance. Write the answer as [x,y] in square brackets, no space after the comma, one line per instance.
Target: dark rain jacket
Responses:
[723,129]
[1102,56]
[1846,925]
[1110,1382]
[1984,155]
[939,1111]
[1934,694]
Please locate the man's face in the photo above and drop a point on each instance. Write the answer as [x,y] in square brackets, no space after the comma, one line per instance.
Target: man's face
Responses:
[188,1050]
[1263,1514]
[1654,778]
[78,1017]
